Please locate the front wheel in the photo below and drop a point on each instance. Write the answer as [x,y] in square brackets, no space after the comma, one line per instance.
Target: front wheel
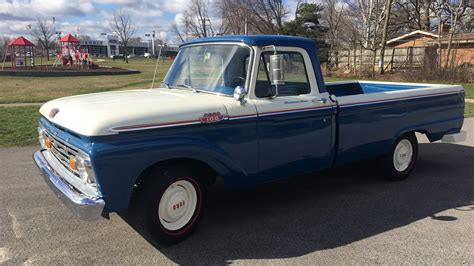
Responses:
[398,164]
[171,204]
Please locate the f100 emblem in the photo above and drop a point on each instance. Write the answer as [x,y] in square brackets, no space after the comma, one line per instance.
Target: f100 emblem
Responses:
[212,117]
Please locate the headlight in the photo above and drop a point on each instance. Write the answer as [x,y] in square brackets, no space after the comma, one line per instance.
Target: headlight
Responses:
[84,169]
[41,137]
[44,141]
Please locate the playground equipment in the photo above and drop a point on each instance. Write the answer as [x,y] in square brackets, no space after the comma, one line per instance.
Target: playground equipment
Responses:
[21,53]
[72,54]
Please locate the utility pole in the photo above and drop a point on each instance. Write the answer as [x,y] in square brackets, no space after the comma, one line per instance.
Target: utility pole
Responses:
[153,43]
[388,9]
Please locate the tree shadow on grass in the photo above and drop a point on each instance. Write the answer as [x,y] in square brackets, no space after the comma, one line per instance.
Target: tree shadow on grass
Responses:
[324,210]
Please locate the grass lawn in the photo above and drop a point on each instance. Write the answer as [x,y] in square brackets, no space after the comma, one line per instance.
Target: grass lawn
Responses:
[42,89]
[18,126]
[469,111]
[469,88]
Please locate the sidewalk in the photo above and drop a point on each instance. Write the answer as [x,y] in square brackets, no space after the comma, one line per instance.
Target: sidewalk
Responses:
[19,104]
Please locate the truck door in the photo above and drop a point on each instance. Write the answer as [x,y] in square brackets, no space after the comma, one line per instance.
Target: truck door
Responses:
[295,128]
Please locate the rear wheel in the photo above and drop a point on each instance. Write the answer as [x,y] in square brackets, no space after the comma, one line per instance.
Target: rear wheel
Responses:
[171,204]
[398,164]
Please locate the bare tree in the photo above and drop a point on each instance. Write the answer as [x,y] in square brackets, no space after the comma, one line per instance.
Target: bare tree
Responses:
[412,14]
[388,5]
[333,12]
[42,31]
[84,37]
[368,15]
[267,15]
[253,16]
[235,15]
[180,35]
[196,21]
[3,46]
[425,15]
[455,12]
[124,27]
[135,40]
[468,22]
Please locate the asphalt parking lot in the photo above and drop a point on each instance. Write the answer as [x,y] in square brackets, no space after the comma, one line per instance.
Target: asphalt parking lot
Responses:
[344,216]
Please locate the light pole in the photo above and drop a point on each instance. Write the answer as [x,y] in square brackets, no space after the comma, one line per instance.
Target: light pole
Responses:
[153,43]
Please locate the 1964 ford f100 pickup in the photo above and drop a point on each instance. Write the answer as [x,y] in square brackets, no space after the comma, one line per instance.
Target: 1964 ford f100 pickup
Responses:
[249,109]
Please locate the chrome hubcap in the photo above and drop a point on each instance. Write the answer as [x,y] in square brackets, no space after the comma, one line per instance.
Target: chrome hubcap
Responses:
[403,155]
[177,205]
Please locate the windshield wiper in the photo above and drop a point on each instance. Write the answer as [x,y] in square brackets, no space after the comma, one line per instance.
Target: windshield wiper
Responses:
[188,87]
[166,85]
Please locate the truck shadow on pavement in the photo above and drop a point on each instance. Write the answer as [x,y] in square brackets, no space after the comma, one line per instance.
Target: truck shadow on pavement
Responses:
[325,210]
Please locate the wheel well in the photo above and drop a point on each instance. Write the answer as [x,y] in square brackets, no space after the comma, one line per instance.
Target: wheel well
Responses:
[207,173]
[424,132]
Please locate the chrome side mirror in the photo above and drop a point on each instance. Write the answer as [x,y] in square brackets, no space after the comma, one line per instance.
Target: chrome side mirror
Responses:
[239,94]
[276,67]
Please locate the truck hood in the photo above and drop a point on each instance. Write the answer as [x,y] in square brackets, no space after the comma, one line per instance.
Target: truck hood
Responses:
[108,113]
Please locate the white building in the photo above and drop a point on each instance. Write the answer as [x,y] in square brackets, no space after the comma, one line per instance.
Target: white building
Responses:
[112,46]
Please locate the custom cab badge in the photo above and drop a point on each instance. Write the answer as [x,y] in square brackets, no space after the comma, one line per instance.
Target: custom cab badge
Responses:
[212,117]
[53,112]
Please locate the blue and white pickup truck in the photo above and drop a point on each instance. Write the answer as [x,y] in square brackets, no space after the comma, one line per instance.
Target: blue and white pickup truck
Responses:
[248,109]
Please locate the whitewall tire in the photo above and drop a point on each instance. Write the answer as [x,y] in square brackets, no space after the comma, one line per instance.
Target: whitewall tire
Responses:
[171,203]
[400,161]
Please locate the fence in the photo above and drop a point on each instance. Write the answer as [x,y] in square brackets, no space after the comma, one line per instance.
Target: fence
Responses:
[395,59]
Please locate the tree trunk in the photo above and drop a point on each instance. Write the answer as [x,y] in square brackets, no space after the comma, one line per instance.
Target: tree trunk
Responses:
[425,15]
[384,36]
[450,41]
[125,58]
[374,60]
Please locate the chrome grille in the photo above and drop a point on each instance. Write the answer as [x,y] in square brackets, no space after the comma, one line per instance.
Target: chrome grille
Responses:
[62,151]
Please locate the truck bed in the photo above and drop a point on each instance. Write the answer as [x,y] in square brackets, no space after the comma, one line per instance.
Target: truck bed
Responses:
[347,88]
[371,115]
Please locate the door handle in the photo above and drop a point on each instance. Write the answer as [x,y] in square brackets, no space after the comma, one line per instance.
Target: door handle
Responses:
[320,100]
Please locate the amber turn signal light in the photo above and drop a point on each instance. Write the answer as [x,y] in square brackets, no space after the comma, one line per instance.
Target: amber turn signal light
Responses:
[72,163]
[47,143]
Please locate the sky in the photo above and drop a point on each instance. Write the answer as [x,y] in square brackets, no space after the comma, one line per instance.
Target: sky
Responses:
[92,17]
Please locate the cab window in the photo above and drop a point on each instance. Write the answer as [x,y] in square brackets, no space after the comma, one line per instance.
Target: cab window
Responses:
[296,78]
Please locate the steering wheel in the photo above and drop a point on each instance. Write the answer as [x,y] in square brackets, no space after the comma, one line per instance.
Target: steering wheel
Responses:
[237,81]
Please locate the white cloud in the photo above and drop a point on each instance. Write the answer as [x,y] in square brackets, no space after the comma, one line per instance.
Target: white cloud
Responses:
[178,19]
[176,6]
[163,35]
[28,10]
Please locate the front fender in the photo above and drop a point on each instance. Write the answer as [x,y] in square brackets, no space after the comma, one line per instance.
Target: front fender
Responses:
[118,165]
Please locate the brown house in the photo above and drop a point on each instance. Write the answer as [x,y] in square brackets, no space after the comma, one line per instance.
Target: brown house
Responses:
[462,45]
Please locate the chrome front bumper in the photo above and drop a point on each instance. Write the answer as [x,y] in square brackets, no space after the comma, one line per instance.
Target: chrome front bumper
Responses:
[83,206]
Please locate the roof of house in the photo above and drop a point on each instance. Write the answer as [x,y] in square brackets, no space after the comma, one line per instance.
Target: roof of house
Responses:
[69,38]
[460,36]
[411,35]
[260,40]
[20,41]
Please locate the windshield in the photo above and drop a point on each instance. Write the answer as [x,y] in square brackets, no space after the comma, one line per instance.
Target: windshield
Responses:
[213,68]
